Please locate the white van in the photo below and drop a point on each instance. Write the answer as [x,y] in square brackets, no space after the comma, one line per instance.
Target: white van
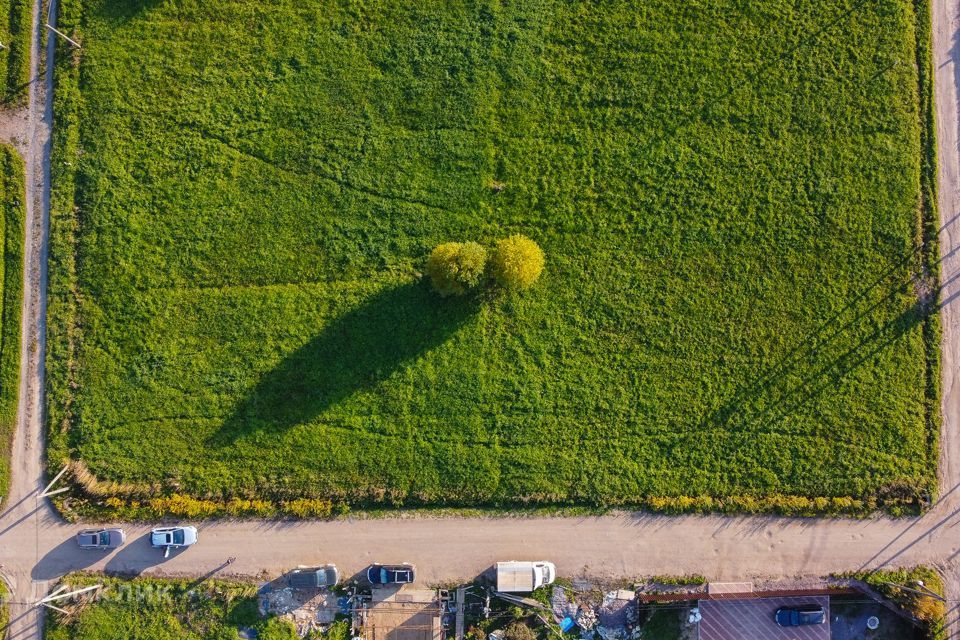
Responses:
[524,577]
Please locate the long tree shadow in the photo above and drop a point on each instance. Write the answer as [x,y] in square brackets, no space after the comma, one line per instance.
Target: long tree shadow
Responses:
[356,351]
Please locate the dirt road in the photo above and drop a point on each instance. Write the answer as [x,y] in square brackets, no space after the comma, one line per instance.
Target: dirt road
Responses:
[36,547]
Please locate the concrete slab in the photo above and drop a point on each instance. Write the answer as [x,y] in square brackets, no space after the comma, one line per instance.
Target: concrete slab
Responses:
[753,619]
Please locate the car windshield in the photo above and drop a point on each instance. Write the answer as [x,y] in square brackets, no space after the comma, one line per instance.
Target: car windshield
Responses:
[810,617]
[384,575]
[178,536]
[104,537]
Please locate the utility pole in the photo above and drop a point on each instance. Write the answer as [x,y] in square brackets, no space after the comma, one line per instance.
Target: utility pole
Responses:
[46,493]
[58,595]
[64,36]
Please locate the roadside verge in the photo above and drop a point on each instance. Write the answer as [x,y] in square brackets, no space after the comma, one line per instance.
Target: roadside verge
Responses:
[12,220]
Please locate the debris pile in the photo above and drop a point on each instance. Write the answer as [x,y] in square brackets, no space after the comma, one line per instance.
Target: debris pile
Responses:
[308,609]
[612,617]
[618,608]
[586,618]
[561,605]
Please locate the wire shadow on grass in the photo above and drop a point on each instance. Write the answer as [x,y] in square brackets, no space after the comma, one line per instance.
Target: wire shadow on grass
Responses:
[123,10]
[354,352]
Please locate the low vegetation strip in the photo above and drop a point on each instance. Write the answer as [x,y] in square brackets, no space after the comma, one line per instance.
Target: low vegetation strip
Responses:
[738,300]
[12,203]
[918,591]
[164,609]
[15,56]
[4,612]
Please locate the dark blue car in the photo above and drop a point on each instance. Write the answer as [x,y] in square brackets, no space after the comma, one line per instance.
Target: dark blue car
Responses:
[390,573]
[800,616]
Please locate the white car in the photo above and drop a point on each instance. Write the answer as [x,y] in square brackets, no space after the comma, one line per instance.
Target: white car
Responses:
[167,538]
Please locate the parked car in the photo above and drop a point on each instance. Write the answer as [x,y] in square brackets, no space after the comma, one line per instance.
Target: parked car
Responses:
[167,538]
[101,538]
[800,616]
[391,574]
[524,577]
[313,577]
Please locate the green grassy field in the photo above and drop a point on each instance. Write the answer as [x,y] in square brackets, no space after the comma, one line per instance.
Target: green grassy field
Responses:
[664,624]
[731,199]
[15,57]
[166,609]
[11,279]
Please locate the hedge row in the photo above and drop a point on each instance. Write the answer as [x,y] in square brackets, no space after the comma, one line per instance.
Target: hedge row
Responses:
[182,506]
[12,203]
[179,505]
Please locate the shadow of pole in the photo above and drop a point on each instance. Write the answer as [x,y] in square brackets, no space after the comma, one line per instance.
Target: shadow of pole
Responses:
[29,631]
[896,554]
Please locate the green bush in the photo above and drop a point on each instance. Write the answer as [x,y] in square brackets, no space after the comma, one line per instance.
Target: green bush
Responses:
[517,262]
[519,631]
[456,267]
[277,629]
[339,630]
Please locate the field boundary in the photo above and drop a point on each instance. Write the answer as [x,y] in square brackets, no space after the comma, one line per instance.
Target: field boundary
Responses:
[928,228]
[108,500]
[61,295]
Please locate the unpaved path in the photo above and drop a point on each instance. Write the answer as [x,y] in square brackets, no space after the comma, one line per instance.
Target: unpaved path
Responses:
[946,62]
[36,547]
[26,514]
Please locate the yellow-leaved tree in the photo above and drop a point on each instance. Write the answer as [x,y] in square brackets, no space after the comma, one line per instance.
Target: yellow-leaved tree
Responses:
[456,267]
[517,262]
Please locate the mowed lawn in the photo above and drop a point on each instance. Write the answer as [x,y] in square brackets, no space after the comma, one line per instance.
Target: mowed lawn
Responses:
[728,195]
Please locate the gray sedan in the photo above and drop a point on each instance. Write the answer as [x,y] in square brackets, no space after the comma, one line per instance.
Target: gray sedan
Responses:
[101,538]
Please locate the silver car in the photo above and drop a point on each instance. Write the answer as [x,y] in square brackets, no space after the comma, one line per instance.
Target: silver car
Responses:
[101,538]
[167,538]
